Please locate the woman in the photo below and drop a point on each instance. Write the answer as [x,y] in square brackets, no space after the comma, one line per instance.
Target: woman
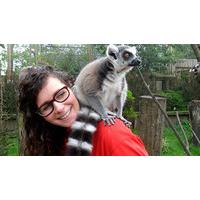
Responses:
[55,123]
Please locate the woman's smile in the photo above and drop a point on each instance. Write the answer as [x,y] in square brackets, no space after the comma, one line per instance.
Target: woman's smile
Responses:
[66,114]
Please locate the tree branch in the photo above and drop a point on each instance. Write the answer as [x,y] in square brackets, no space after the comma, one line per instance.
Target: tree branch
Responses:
[196,49]
[183,131]
[165,114]
[2,45]
[195,135]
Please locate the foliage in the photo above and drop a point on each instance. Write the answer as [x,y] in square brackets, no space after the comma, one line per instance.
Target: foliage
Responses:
[129,112]
[156,57]
[9,144]
[9,98]
[171,145]
[100,50]
[175,100]
[136,85]
[183,51]
[21,56]
[189,86]
[70,58]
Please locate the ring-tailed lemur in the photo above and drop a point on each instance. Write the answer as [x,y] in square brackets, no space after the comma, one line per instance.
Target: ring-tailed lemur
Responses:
[80,140]
[102,83]
[195,69]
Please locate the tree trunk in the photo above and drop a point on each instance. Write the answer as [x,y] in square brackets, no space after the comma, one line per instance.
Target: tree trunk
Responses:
[1,100]
[36,50]
[9,72]
[196,49]
[34,54]
[150,124]
[194,111]
[89,48]
[30,55]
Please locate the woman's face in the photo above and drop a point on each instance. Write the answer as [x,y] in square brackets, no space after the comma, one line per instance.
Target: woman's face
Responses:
[63,114]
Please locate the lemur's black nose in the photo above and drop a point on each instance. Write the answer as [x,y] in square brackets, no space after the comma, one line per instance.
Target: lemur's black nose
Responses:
[136,62]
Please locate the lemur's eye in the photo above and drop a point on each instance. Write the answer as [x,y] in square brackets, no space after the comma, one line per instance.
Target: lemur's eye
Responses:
[126,55]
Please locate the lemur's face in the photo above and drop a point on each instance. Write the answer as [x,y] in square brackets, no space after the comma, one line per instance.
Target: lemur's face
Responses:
[123,57]
[195,69]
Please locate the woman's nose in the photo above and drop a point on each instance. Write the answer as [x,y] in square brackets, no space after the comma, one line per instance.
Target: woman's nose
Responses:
[58,107]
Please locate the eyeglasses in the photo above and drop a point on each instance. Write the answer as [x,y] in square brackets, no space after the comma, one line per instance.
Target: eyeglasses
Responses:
[60,96]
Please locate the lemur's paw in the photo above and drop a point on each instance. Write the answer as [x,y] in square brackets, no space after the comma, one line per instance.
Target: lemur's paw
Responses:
[109,120]
[126,122]
[111,113]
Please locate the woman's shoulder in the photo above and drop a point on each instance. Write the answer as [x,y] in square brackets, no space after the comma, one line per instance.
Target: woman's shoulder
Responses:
[117,139]
[118,127]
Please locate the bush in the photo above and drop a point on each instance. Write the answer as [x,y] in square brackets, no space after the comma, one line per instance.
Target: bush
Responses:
[129,112]
[9,98]
[9,143]
[175,100]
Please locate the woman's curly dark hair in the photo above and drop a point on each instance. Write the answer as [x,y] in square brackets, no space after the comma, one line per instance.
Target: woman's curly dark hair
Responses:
[41,137]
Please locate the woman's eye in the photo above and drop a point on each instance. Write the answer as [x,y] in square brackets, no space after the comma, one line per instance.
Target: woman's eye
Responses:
[45,108]
[60,95]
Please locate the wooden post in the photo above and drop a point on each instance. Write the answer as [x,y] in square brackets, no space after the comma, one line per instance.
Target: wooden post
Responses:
[10,62]
[150,124]
[194,113]
[90,52]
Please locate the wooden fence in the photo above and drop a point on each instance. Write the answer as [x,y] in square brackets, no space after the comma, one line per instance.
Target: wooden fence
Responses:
[8,123]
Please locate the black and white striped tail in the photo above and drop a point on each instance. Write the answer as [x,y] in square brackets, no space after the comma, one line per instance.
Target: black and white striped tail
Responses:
[80,139]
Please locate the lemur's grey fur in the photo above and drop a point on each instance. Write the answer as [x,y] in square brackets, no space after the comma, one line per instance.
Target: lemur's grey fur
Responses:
[102,84]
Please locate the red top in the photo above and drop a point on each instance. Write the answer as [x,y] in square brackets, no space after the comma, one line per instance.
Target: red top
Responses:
[116,140]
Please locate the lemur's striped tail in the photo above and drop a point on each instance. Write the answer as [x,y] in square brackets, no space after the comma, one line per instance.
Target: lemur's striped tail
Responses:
[80,139]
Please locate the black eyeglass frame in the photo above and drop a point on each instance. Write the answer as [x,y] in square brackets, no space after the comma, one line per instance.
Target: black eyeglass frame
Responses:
[51,102]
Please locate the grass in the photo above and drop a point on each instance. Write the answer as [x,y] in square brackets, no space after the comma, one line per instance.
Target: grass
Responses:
[9,144]
[12,146]
[171,145]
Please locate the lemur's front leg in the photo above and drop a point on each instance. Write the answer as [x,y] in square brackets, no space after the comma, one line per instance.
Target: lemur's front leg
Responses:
[96,104]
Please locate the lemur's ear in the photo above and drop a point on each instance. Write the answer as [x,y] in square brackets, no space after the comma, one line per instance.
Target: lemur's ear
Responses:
[112,51]
[134,50]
